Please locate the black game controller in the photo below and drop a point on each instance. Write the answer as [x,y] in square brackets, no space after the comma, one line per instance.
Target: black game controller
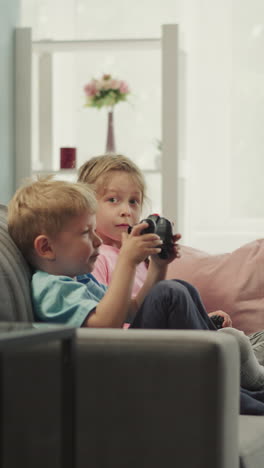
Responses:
[163,228]
[217,320]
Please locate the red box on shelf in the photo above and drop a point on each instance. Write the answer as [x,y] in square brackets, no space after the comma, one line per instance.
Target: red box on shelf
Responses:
[67,158]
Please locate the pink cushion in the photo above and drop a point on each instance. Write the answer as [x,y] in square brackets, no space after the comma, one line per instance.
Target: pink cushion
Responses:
[233,282]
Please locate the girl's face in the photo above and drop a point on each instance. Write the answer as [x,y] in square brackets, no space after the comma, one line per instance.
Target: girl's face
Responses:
[119,206]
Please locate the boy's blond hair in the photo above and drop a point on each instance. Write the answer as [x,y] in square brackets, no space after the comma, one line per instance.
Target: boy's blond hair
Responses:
[43,206]
[100,166]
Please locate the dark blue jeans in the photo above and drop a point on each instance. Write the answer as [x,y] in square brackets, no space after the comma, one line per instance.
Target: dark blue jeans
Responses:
[173,304]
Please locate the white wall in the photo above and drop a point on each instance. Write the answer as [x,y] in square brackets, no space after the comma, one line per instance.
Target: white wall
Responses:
[221,105]
[224,43]
[9,18]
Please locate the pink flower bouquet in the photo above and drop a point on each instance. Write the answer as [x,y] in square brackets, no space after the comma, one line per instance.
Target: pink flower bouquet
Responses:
[106,91]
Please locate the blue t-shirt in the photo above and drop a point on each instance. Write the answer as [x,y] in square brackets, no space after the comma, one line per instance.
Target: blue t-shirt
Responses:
[61,299]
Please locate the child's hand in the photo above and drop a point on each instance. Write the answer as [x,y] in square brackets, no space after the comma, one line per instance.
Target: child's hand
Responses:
[175,253]
[136,247]
[227,319]
[177,247]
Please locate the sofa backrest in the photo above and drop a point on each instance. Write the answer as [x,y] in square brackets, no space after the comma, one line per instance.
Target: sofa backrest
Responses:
[15,276]
[233,281]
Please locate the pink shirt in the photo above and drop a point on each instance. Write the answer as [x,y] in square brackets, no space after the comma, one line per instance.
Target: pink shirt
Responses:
[105,265]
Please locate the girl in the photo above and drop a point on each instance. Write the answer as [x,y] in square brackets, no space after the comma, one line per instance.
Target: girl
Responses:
[121,192]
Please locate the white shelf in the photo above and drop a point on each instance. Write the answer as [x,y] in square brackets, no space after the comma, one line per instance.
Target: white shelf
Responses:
[74,171]
[99,44]
[51,171]
[25,48]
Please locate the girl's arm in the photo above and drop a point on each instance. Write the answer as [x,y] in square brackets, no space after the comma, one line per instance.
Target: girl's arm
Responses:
[154,275]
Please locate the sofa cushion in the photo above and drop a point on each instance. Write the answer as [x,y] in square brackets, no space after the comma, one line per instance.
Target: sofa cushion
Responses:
[233,282]
[15,278]
[251,445]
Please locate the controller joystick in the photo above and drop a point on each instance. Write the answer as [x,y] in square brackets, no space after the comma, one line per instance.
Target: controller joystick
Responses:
[163,228]
[151,226]
[217,320]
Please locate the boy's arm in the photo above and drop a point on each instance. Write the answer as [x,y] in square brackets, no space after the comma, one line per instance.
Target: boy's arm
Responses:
[157,271]
[113,309]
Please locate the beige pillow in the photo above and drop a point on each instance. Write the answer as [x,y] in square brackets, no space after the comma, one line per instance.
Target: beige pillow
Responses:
[233,282]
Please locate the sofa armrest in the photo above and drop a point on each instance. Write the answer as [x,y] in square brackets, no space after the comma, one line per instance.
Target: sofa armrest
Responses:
[146,398]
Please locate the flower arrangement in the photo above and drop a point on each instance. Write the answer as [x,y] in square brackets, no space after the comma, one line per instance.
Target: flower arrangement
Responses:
[106,91]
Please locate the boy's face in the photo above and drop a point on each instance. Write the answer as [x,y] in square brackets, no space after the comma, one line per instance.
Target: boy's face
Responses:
[118,207]
[76,246]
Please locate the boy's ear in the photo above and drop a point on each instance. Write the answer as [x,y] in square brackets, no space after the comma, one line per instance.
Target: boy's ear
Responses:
[43,247]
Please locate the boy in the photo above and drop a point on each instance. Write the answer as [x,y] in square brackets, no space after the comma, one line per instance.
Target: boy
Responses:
[53,224]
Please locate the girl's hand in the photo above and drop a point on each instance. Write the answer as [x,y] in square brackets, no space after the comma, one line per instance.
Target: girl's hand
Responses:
[175,253]
[177,247]
[227,319]
[136,247]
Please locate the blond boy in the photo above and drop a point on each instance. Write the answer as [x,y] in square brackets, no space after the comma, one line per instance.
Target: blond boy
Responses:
[53,223]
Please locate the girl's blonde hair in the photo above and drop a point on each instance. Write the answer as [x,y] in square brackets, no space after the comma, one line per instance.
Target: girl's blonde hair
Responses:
[44,206]
[96,171]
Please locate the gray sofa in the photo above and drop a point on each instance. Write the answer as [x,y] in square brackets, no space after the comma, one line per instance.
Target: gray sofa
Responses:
[145,399]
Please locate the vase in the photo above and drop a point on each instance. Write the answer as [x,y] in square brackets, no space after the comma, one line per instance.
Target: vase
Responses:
[110,141]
